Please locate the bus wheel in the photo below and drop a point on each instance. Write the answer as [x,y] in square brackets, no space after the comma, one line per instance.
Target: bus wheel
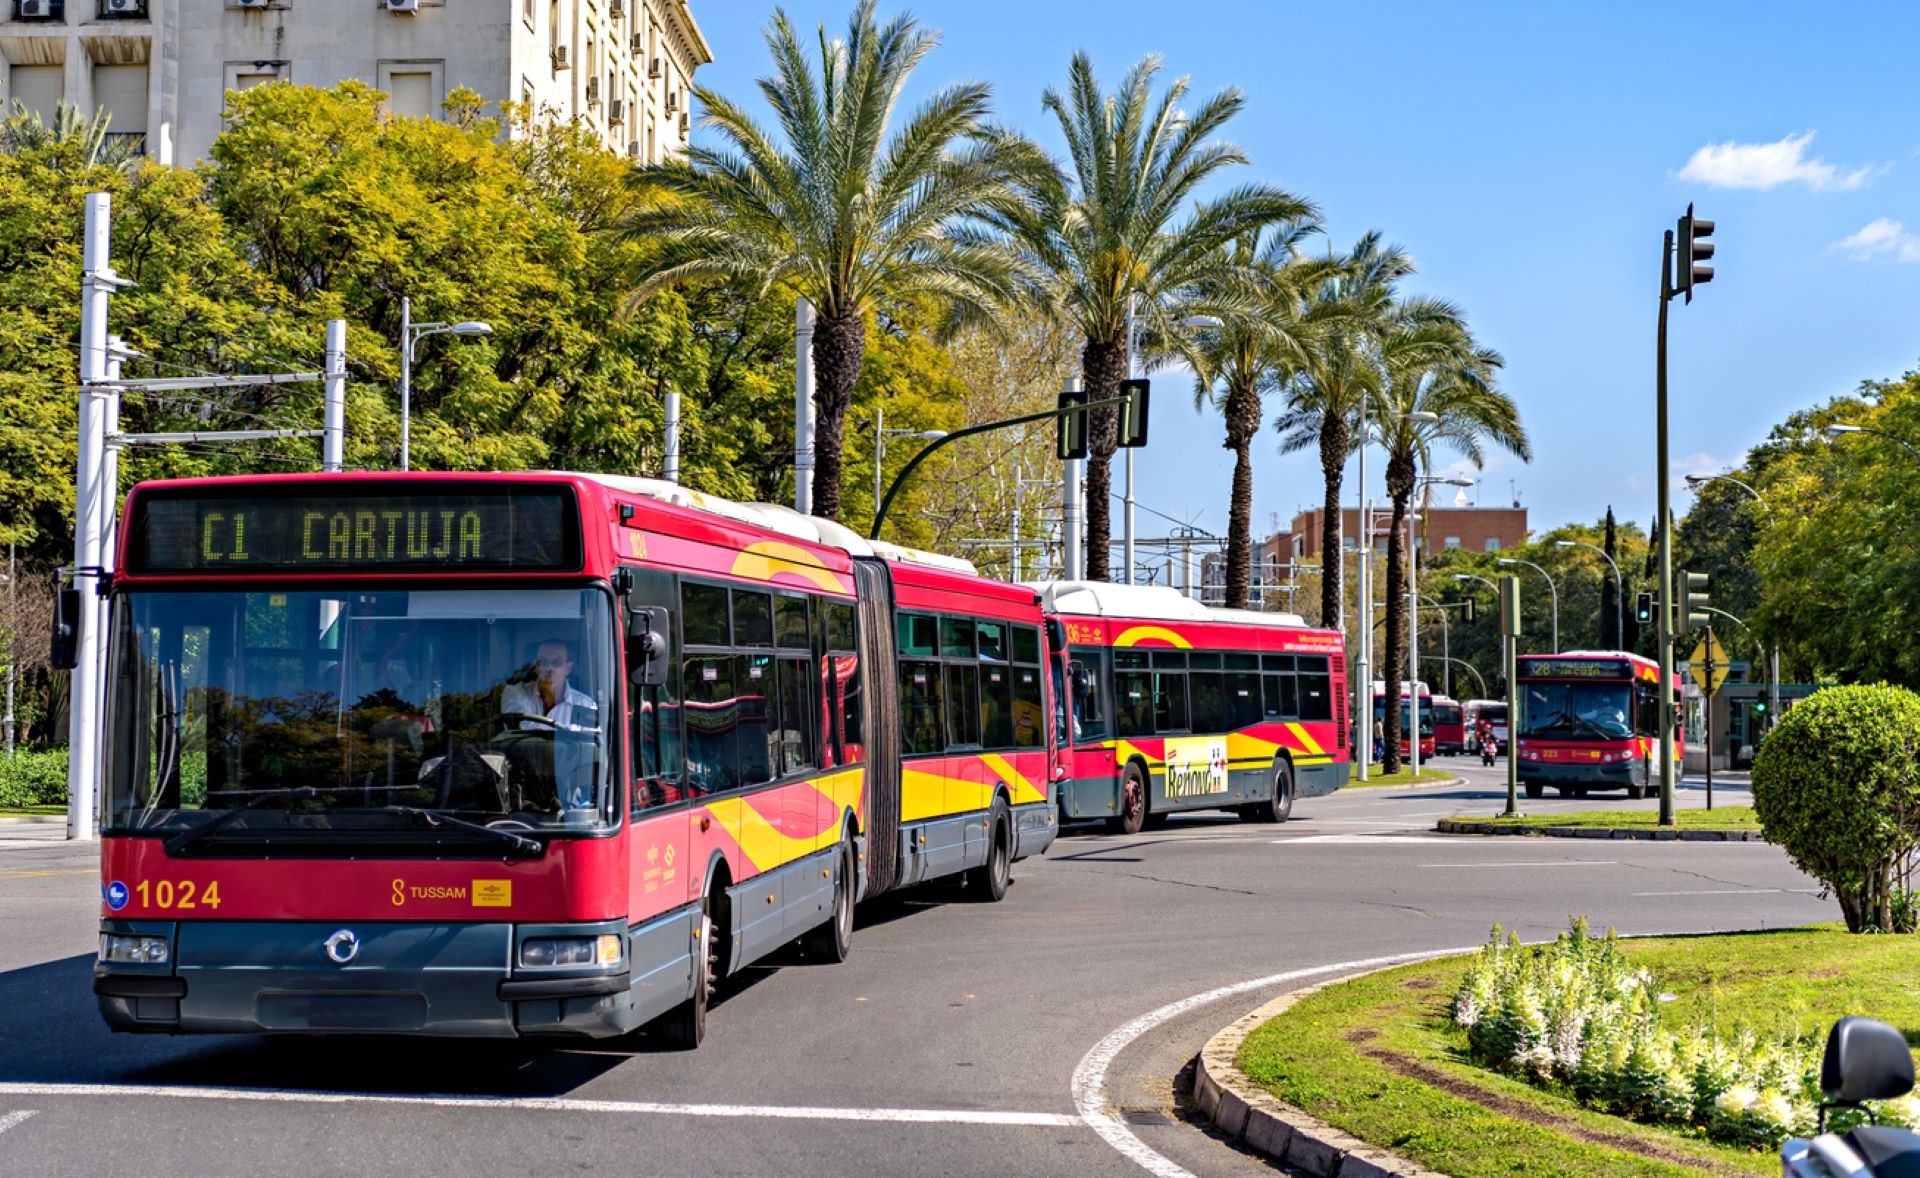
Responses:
[686,1024]
[1535,789]
[1133,803]
[1636,792]
[833,941]
[1279,807]
[989,881]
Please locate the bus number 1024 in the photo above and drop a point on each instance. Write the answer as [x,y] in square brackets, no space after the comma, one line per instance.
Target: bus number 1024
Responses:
[181,895]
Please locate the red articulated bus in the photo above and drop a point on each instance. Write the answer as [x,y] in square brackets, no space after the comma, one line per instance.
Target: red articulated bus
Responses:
[1590,720]
[1175,707]
[530,754]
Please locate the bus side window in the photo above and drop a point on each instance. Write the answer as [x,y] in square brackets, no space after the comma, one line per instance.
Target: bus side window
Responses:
[1132,694]
[843,645]
[1086,677]
[1316,693]
[713,721]
[1170,690]
[755,720]
[793,738]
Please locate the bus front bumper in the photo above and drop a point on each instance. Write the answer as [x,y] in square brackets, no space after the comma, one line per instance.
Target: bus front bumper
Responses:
[1604,774]
[248,977]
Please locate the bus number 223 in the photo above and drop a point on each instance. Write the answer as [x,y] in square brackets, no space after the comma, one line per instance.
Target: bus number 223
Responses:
[185,894]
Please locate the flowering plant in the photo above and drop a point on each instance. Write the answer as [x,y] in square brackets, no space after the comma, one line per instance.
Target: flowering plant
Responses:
[1577,1013]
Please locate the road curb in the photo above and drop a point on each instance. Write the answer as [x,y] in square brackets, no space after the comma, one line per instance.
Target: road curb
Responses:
[32,819]
[1260,1122]
[1449,783]
[1653,834]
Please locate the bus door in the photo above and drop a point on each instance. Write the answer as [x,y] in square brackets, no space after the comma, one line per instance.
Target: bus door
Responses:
[661,874]
[1091,788]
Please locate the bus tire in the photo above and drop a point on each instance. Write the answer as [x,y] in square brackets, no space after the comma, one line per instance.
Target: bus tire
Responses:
[1279,807]
[1636,792]
[988,882]
[832,941]
[1535,789]
[685,1025]
[1133,803]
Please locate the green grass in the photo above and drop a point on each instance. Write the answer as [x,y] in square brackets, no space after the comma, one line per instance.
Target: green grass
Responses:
[1376,777]
[1315,1056]
[1718,818]
[27,811]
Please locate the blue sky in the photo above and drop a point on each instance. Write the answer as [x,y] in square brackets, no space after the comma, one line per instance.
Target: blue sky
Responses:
[1529,156]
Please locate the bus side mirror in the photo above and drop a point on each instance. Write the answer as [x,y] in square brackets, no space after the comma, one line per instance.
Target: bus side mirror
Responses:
[647,645]
[66,629]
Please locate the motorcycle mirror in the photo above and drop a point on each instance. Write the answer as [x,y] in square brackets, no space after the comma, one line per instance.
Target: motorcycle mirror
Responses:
[1866,1060]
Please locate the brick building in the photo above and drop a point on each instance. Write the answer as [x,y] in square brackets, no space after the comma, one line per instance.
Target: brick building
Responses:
[1482,529]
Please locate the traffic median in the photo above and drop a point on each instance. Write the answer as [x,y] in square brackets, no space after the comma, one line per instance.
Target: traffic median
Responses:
[1728,824]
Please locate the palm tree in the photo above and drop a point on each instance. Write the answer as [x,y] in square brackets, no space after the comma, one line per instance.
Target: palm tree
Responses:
[1439,391]
[1322,392]
[837,207]
[1239,365]
[1107,233]
[23,130]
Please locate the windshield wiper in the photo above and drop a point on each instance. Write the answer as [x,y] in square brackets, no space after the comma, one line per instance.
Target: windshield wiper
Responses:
[522,846]
[187,838]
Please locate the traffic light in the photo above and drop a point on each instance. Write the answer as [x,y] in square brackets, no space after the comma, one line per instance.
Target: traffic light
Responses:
[1072,439]
[1133,414]
[1643,608]
[1692,250]
[1693,595]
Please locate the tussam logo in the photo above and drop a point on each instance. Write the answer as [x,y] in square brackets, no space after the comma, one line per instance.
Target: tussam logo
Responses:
[403,892]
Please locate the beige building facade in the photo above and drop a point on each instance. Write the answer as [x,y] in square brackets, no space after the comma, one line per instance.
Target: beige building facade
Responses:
[162,68]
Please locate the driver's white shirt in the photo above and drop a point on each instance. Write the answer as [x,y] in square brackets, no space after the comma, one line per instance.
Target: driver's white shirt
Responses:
[524,698]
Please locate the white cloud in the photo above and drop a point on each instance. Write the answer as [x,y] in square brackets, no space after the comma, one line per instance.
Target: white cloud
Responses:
[1768,165]
[1882,237]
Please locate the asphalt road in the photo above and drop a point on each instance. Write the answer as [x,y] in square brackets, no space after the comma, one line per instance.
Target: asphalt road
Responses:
[956,1040]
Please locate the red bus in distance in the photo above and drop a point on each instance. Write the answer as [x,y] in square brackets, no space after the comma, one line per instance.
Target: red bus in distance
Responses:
[1177,707]
[530,754]
[1590,720]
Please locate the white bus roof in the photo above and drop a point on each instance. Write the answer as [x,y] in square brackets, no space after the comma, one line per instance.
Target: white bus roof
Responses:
[1101,599]
[775,517]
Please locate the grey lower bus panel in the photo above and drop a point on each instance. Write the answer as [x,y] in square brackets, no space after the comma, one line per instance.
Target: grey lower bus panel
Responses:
[1034,826]
[777,906]
[1314,781]
[941,847]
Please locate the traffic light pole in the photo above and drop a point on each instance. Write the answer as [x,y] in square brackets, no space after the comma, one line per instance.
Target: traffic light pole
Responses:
[1664,640]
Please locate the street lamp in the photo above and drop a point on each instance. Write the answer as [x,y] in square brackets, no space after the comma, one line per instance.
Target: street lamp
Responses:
[1553,595]
[1619,603]
[411,334]
[1838,430]
[880,435]
[1133,370]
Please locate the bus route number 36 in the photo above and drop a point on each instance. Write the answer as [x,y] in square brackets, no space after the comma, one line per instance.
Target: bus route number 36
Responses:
[179,895]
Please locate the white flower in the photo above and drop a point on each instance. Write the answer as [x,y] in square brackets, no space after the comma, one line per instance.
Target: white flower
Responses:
[1735,1101]
[1772,1108]
[1663,996]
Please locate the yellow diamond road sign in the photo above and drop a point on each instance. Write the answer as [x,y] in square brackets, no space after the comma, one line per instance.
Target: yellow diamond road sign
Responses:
[1709,654]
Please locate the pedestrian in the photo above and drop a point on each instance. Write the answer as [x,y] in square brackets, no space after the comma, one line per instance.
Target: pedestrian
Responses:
[1488,746]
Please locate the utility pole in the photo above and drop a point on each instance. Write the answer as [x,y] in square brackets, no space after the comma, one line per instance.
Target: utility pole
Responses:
[333,450]
[1363,608]
[1413,649]
[1509,644]
[1073,528]
[670,461]
[13,639]
[803,408]
[1126,506]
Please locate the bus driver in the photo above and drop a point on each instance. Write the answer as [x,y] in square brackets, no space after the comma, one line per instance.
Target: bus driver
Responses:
[548,693]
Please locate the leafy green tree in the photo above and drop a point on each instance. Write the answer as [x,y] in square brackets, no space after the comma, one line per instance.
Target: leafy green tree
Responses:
[835,206]
[1116,228]
[88,137]
[1439,391]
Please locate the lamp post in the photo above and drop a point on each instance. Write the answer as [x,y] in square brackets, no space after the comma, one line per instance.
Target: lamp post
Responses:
[1839,430]
[1553,595]
[1133,371]
[1773,670]
[1421,483]
[1619,602]
[411,334]
[880,435]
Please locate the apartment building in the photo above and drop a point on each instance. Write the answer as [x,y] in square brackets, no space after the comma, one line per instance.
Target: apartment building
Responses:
[1483,529]
[163,67]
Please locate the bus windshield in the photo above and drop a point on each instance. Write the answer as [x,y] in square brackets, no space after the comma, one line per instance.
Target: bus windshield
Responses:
[1576,711]
[341,710]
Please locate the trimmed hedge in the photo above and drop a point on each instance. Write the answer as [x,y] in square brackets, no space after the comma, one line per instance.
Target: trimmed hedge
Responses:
[1837,785]
[33,777]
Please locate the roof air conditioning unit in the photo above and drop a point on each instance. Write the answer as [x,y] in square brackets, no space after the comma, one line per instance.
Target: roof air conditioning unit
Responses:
[404,7]
[253,3]
[123,8]
[33,9]
[560,57]
[616,109]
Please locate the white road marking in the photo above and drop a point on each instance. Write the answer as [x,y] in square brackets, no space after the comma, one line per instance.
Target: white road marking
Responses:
[912,1116]
[14,1118]
[1732,892]
[1090,1077]
[1561,863]
[1371,836]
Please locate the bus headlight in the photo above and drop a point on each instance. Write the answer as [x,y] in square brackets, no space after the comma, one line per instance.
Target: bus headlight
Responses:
[124,949]
[551,951]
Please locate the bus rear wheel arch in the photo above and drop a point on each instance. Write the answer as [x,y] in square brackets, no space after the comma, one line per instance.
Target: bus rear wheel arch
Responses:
[1278,807]
[988,882]
[1132,801]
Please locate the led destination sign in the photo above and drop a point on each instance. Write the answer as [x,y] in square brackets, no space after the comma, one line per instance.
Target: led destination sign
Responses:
[1552,668]
[377,530]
